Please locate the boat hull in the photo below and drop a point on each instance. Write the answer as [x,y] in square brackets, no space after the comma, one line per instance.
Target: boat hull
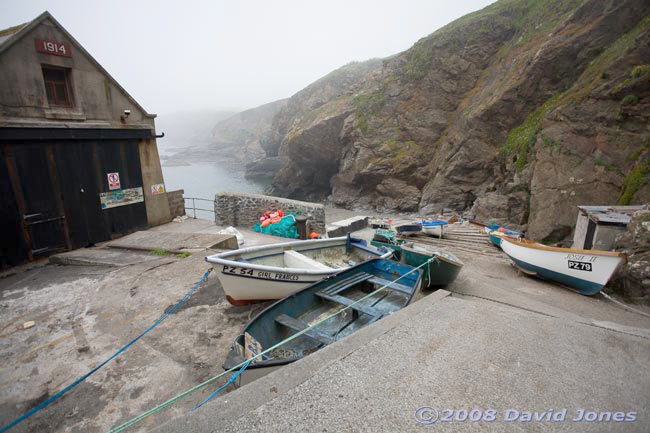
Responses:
[244,281]
[433,230]
[244,285]
[497,237]
[442,271]
[588,273]
[408,229]
[496,240]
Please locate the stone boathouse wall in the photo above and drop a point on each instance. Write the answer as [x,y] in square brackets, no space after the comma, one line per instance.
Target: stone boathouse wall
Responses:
[245,210]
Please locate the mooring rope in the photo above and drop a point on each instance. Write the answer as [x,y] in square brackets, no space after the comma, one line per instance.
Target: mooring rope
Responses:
[616,301]
[113,356]
[173,400]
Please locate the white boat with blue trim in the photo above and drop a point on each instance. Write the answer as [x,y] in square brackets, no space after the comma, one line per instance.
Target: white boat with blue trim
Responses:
[270,272]
[588,271]
[435,228]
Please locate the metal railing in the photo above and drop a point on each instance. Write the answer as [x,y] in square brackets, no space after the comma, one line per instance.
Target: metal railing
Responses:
[194,208]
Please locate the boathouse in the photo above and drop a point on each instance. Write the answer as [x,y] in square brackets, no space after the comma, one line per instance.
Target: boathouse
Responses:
[598,226]
[79,161]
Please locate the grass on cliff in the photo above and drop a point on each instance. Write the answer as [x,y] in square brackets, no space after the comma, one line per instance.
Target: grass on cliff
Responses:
[526,19]
[638,177]
[367,104]
[522,138]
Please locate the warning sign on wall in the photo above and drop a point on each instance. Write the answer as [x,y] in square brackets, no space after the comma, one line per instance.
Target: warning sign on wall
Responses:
[113,181]
[158,188]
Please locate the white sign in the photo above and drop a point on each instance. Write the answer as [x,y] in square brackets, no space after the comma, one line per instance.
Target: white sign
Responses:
[158,188]
[113,181]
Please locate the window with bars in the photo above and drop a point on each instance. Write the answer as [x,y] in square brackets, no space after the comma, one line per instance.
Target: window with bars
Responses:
[57,86]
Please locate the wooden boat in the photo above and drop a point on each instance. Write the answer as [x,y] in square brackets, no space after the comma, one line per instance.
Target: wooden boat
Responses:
[274,271]
[435,228]
[316,302]
[497,236]
[442,271]
[408,229]
[586,270]
[388,239]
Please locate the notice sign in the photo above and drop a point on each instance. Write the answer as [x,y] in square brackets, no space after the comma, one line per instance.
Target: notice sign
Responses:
[52,47]
[121,198]
[158,188]
[113,181]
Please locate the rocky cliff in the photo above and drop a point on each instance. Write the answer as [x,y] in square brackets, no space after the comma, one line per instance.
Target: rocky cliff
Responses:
[517,112]
[239,135]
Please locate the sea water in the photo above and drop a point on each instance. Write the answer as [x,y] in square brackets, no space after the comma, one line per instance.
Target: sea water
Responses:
[204,180]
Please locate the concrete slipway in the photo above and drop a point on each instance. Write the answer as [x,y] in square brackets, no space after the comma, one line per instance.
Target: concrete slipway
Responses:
[495,339]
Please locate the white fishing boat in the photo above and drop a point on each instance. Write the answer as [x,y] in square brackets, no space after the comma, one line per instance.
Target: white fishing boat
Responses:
[586,270]
[269,272]
[435,228]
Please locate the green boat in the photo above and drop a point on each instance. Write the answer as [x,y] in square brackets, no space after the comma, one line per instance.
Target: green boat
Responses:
[441,272]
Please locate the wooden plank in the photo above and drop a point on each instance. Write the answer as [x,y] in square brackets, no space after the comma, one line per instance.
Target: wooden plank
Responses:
[56,186]
[346,283]
[347,302]
[299,325]
[393,286]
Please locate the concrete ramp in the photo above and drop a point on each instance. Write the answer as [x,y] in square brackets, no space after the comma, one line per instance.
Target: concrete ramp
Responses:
[446,353]
[174,242]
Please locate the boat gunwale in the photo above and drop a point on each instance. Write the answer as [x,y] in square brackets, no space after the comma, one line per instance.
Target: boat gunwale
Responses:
[434,223]
[438,255]
[219,259]
[527,243]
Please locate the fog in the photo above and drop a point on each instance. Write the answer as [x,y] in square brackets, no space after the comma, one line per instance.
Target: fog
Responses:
[232,55]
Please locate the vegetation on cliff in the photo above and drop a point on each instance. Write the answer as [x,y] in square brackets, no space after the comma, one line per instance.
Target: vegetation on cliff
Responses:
[534,106]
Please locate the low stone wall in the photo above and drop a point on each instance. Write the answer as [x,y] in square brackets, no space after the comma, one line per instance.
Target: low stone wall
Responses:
[244,210]
[176,202]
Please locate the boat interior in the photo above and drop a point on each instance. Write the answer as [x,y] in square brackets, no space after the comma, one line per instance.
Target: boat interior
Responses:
[430,250]
[314,257]
[317,302]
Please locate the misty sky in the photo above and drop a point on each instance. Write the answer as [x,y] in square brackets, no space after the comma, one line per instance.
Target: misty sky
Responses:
[185,55]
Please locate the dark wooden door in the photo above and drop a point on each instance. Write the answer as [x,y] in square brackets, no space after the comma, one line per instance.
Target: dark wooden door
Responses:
[83,169]
[41,217]
[13,248]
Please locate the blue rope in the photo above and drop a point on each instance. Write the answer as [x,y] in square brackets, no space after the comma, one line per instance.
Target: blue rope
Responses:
[222,387]
[85,376]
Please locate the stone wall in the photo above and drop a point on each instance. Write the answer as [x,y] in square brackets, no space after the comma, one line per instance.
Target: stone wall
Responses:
[244,210]
[176,202]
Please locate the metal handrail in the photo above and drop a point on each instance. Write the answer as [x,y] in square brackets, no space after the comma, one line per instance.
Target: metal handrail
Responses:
[194,208]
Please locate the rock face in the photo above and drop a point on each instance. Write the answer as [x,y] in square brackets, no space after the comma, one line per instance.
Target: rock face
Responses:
[264,168]
[517,112]
[239,136]
[634,278]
